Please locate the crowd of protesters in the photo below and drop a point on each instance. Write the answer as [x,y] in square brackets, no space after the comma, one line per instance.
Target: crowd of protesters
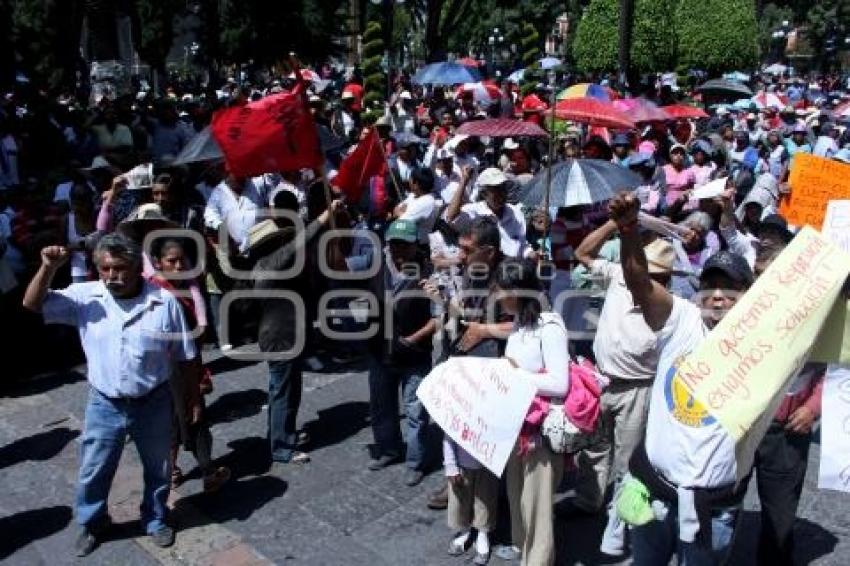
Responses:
[78,201]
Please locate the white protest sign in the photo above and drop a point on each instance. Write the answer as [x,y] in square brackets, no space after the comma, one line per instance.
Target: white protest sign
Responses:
[712,189]
[835,430]
[140,177]
[479,405]
[836,223]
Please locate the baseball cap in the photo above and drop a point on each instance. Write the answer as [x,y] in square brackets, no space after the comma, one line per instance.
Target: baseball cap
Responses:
[660,256]
[678,147]
[732,265]
[404,230]
[492,177]
[620,139]
[510,144]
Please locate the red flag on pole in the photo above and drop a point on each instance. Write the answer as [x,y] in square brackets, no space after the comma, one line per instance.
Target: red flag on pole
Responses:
[275,133]
[366,161]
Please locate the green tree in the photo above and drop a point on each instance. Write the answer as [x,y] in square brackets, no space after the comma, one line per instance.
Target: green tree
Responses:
[530,54]
[771,18]
[375,81]
[717,35]
[653,45]
[153,33]
[825,20]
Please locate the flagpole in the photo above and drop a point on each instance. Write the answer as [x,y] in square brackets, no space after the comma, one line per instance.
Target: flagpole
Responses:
[299,80]
[546,195]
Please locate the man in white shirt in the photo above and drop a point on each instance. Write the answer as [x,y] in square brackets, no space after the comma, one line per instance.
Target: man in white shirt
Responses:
[448,175]
[419,206]
[136,339]
[626,354]
[234,203]
[687,460]
[494,191]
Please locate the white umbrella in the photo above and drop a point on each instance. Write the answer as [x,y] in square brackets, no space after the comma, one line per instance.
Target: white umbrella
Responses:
[549,63]
[775,69]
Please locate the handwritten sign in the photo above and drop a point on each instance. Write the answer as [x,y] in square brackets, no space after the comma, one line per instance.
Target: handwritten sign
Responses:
[834,470]
[745,364]
[479,405]
[814,182]
[834,343]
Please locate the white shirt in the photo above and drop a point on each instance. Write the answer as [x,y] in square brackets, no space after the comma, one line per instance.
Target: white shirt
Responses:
[238,212]
[446,185]
[625,346]
[511,225]
[131,345]
[543,347]
[684,442]
[421,211]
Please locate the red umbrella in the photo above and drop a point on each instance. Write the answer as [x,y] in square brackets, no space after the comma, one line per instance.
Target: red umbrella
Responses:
[641,110]
[684,111]
[501,128]
[468,62]
[594,112]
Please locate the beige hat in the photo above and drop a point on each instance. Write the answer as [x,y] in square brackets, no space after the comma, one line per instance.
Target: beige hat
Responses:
[660,256]
[492,177]
[144,219]
[262,232]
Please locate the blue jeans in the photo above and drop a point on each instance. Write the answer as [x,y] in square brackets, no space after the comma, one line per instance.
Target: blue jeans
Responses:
[656,542]
[285,380]
[383,407]
[108,422]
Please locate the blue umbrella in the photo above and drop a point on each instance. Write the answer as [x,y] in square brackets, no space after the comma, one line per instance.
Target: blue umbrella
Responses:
[445,74]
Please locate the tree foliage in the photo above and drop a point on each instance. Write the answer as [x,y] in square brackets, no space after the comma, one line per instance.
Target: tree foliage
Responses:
[153,30]
[714,35]
[653,36]
[717,35]
[375,81]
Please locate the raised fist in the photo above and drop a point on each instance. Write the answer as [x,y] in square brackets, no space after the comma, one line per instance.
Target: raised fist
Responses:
[623,208]
[52,257]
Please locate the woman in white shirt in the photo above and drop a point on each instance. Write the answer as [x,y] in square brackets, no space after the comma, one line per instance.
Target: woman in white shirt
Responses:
[537,347]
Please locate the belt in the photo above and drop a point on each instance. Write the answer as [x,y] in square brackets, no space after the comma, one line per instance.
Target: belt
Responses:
[134,400]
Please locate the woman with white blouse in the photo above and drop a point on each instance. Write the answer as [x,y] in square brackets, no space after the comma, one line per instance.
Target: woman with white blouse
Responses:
[537,348]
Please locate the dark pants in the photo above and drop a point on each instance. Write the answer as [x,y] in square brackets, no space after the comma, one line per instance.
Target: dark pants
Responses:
[285,381]
[780,465]
[384,383]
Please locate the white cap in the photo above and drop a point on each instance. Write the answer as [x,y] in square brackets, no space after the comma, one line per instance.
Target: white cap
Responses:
[722,111]
[491,177]
[405,95]
[751,116]
[510,144]
[347,95]
[444,153]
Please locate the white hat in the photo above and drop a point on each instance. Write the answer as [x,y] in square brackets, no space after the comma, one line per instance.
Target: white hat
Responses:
[492,177]
[315,98]
[660,256]
[383,121]
[722,111]
[347,95]
[510,144]
[455,141]
[405,95]
[751,116]
[445,153]
[187,98]
[99,162]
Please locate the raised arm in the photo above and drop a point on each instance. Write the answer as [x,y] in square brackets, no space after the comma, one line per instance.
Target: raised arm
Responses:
[655,301]
[52,258]
[453,209]
[588,250]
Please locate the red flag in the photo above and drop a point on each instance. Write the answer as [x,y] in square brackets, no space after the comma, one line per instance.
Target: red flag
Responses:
[366,161]
[275,133]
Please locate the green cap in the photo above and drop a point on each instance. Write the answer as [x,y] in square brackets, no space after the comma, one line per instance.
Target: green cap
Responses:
[404,230]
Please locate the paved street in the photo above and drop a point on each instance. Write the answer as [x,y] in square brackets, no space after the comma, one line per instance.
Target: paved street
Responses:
[332,511]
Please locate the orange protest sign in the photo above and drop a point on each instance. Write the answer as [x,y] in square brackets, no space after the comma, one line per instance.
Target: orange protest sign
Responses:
[814,182]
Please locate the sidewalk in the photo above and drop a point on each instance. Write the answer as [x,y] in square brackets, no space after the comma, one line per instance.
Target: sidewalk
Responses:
[332,511]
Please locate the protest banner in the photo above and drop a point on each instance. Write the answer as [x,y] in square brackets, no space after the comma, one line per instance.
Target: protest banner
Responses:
[742,370]
[814,182]
[475,402]
[834,343]
[834,472]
